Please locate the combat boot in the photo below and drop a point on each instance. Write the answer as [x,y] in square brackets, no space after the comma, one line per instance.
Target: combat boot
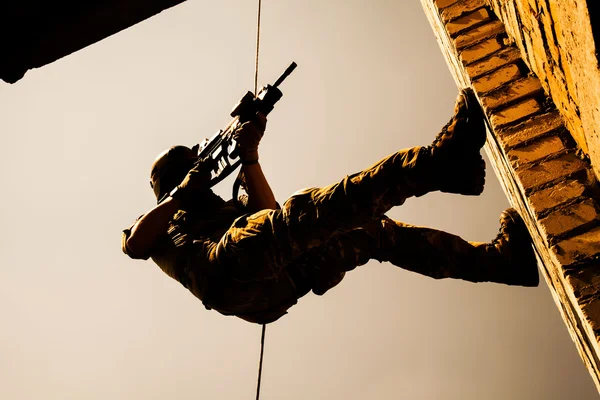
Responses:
[511,257]
[456,151]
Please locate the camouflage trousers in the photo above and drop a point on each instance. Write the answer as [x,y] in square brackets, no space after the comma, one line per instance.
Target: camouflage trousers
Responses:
[273,257]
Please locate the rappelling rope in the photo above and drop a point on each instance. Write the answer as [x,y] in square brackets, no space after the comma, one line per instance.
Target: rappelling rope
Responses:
[264,327]
[257,48]
[262,350]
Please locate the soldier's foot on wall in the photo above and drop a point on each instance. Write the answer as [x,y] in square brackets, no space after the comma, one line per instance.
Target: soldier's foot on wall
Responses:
[514,246]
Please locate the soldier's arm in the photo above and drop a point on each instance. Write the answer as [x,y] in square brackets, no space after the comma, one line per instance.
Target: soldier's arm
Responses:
[139,240]
[248,136]
[260,195]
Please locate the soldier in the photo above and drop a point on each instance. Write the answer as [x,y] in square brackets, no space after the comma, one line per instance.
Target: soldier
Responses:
[255,260]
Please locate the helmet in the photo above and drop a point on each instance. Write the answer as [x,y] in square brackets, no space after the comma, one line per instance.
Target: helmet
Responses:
[170,168]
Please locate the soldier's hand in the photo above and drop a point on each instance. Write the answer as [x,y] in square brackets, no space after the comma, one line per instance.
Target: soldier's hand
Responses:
[196,181]
[248,136]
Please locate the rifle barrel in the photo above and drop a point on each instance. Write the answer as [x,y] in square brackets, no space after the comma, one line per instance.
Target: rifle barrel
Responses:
[285,74]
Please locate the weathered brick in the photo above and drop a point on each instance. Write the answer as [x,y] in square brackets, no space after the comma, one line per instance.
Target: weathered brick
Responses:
[461,8]
[555,46]
[535,151]
[467,21]
[578,247]
[529,130]
[546,199]
[496,6]
[590,309]
[497,78]
[501,58]
[525,42]
[473,36]
[445,3]
[585,281]
[548,25]
[480,51]
[571,217]
[551,170]
[533,6]
[571,109]
[514,113]
[518,90]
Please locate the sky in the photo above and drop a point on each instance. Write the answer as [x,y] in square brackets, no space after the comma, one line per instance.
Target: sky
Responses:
[83,321]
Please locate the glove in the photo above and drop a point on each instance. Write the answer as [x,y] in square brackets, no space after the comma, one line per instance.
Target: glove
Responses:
[196,181]
[248,136]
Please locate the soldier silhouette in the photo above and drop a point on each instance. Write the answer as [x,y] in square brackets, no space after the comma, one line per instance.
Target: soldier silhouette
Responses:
[254,259]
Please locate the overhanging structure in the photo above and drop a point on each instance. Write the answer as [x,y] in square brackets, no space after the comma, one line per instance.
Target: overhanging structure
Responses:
[34,33]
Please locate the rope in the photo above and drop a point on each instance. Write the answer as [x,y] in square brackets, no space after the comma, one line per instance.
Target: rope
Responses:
[257,48]
[264,327]
[262,351]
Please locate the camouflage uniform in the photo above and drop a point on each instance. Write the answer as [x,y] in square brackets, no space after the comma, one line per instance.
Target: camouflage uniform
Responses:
[256,266]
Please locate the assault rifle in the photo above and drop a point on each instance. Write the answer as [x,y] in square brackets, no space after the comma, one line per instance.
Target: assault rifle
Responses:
[220,151]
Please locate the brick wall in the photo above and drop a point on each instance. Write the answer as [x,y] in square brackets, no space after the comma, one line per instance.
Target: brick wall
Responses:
[538,163]
[556,40]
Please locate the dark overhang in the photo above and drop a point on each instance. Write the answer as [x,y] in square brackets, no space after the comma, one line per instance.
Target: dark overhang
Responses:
[34,33]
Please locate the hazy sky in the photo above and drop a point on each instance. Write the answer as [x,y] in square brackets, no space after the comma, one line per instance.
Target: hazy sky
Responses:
[82,321]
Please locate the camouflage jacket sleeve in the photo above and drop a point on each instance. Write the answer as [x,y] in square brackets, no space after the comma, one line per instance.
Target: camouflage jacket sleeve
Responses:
[124,236]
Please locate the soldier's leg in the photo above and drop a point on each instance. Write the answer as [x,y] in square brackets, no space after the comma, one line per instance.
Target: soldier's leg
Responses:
[508,259]
[310,217]
[453,163]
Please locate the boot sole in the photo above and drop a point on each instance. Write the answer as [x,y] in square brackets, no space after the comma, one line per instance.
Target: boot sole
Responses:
[472,179]
[520,234]
[475,111]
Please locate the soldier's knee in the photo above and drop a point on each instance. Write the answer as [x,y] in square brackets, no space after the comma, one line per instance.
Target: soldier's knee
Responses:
[299,204]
